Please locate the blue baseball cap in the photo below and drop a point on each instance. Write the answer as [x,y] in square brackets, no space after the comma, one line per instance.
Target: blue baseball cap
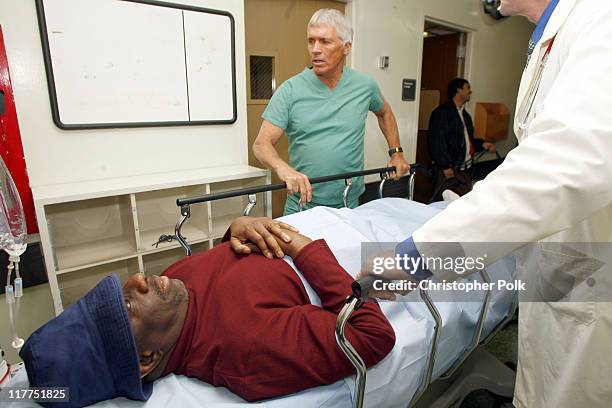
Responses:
[89,348]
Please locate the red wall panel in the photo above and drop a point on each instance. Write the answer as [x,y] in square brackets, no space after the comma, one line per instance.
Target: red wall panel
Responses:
[11,148]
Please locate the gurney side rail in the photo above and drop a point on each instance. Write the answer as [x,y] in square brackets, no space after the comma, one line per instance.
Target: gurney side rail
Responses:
[185,203]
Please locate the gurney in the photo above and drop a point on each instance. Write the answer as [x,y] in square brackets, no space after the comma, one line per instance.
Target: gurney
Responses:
[377,222]
[432,338]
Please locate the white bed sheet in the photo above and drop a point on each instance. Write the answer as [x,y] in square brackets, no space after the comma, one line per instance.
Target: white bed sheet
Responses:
[394,381]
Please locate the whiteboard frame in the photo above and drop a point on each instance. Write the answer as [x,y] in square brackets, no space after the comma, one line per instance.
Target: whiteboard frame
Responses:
[42,24]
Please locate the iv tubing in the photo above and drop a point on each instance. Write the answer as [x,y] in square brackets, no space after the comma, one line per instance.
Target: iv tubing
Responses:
[10,299]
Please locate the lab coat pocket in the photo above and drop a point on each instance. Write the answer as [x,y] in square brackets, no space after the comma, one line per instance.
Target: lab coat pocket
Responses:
[565,281]
[537,110]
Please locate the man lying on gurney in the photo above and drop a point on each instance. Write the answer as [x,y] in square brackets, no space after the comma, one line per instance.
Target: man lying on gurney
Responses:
[244,322]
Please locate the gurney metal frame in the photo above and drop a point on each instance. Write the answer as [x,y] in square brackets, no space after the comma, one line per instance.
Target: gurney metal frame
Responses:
[185,203]
[362,287]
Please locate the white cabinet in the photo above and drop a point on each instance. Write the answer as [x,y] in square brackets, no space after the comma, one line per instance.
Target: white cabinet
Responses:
[89,230]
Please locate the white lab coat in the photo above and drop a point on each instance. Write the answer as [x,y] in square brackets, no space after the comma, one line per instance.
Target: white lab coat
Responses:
[556,186]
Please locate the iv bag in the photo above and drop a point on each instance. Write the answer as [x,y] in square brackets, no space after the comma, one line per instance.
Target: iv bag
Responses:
[13,234]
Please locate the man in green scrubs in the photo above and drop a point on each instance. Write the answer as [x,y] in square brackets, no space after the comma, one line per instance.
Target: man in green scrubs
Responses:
[323,110]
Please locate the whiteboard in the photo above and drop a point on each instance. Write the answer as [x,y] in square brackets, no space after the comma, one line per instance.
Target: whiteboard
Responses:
[207,66]
[129,63]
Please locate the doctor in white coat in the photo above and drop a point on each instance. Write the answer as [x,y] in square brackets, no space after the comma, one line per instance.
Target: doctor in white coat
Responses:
[555,188]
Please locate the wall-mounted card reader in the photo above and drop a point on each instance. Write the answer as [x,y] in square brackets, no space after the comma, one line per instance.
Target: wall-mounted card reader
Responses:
[408,89]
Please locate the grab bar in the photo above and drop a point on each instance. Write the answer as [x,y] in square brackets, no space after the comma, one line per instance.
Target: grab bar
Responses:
[381,186]
[252,203]
[185,214]
[433,351]
[361,289]
[184,203]
[352,304]
[479,328]
[278,186]
[348,183]
[411,184]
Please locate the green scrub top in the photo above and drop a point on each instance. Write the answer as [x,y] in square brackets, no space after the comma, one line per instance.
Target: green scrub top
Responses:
[325,129]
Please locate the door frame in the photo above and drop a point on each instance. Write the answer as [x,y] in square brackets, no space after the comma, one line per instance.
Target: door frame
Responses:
[469,50]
